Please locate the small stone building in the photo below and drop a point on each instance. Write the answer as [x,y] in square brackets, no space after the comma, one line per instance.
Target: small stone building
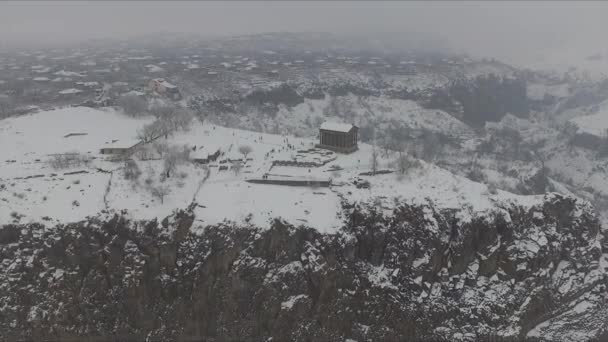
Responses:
[120,147]
[338,137]
[205,154]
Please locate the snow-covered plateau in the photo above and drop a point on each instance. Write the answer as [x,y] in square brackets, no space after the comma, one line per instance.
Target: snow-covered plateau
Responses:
[88,249]
[38,192]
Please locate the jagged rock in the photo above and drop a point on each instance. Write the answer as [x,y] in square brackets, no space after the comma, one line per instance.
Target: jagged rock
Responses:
[417,274]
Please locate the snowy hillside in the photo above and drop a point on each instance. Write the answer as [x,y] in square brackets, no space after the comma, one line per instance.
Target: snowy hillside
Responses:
[380,113]
[595,123]
[33,191]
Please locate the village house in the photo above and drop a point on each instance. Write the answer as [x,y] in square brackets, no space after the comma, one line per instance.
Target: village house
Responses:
[161,86]
[338,137]
[121,147]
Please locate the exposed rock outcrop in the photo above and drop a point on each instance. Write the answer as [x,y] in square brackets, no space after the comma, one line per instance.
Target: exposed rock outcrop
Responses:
[420,273]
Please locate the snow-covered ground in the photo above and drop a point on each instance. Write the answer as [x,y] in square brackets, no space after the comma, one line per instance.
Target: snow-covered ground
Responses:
[31,188]
[538,91]
[594,124]
[36,136]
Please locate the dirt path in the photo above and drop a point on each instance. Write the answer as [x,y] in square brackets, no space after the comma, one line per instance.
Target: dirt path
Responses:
[108,187]
[200,184]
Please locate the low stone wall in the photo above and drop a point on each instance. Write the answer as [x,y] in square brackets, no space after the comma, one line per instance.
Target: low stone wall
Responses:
[295,163]
[300,163]
[291,182]
[337,149]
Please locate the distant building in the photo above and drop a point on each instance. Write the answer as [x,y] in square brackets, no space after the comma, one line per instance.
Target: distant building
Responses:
[339,137]
[161,86]
[120,147]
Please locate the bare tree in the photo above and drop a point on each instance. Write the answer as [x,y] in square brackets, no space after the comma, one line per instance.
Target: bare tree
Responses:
[374,155]
[543,180]
[184,153]
[568,132]
[181,120]
[17,86]
[318,121]
[169,119]
[147,133]
[152,131]
[164,112]
[66,160]
[133,105]
[245,150]
[7,107]
[131,170]
[431,146]
[542,177]
[175,156]
[387,145]
[236,167]
[33,95]
[475,173]
[160,148]
[170,162]
[404,162]
[160,192]
[341,107]
[144,153]
[603,148]
[374,159]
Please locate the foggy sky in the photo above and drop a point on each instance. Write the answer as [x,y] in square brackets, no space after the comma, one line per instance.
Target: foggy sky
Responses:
[517,32]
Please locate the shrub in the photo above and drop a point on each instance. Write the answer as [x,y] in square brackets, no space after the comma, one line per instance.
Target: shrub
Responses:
[132,171]
[133,105]
[405,164]
[245,150]
[476,175]
[66,160]
[492,189]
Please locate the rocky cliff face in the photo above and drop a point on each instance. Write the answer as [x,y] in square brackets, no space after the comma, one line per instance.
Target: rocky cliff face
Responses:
[419,273]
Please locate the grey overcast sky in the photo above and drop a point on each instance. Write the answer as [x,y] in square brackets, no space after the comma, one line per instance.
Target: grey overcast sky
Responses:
[517,31]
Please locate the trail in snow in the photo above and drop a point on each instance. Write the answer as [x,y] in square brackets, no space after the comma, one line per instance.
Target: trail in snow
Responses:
[200,184]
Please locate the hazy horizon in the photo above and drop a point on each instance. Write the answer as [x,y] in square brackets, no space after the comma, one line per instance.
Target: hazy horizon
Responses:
[517,32]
